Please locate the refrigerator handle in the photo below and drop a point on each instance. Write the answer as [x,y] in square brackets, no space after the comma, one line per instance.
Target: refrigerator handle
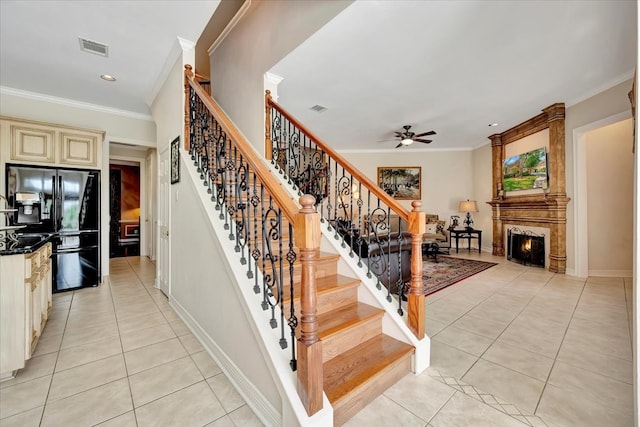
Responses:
[60,209]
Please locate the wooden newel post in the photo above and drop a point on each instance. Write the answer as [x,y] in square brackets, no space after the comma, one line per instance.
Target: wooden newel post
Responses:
[415,303]
[188,73]
[307,239]
[268,143]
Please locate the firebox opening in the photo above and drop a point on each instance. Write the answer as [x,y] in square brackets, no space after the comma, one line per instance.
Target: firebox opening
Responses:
[525,247]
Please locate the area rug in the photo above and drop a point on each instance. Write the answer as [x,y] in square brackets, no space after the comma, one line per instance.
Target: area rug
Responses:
[449,270]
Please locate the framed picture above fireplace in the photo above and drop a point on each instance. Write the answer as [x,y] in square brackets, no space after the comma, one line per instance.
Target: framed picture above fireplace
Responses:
[525,171]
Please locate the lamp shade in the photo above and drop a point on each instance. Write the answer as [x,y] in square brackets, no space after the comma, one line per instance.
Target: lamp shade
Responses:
[468,206]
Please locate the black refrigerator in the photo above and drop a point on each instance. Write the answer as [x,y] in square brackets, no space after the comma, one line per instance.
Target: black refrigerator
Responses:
[65,205]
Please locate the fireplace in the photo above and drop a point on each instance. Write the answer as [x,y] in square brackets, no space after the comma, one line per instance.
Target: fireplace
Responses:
[525,247]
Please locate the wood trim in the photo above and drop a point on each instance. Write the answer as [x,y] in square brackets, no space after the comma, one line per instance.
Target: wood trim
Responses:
[546,210]
[187,103]
[281,196]
[415,300]
[370,185]
[268,142]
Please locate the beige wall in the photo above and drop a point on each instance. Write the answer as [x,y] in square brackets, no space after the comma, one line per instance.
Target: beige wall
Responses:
[599,107]
[483,193]
[610,198]
[447,176]
[238,64]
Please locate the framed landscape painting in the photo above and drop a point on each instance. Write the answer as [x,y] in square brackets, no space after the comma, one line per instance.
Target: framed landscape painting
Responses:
[401,182]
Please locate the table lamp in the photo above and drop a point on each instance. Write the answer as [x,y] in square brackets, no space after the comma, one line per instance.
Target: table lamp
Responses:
[468,206]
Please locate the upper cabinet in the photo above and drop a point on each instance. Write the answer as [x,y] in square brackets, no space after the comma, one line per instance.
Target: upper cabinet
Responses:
[33,142]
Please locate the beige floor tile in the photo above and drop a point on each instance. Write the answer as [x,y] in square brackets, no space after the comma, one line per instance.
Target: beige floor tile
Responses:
[384,412]
[144,337]
[612,393]
[225,392]
[244,416]
[449,360]
[169,314]
[463,411]
[610,345]
[222,422]
[479,326]
[179,327]
[191,343]
[141,322]
[88,335]
[446,311]
[588,358]
[135,310]
[561,408]
[23,397]
[463,340]
[160,381]
[153,355]
[514,387]
[420,394]
[534,365]
[82,354]
[125,420]
[29,418]
[85,377]
[433,327]
[488,311]
[90,407]
[195,406]
[35,367]
[531,338]
[48,343]
[205,364]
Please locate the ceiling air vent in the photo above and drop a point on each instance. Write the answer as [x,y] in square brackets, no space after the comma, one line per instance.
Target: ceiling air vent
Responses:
[93,47]
[318,108]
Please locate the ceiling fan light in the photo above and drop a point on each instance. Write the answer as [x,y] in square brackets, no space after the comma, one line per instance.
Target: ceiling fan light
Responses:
[406,141]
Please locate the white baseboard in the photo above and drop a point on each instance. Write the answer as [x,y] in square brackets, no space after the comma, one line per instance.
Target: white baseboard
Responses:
[263,409]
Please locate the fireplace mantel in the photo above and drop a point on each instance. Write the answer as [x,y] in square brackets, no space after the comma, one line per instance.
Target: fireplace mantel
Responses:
[546,209]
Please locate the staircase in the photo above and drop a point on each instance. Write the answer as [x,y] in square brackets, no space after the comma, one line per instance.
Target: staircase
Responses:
[341,347]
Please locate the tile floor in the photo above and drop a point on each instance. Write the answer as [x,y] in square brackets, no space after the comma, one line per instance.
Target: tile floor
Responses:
[511,346]
[118,355]
[516,346]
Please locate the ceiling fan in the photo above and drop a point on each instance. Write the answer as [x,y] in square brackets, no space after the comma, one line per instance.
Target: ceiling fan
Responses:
[407,137]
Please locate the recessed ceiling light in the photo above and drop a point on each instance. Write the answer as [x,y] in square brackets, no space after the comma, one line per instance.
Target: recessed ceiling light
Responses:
[493,124]
[107,77]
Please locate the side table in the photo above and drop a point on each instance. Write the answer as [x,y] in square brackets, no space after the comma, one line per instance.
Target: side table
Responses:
[467,233]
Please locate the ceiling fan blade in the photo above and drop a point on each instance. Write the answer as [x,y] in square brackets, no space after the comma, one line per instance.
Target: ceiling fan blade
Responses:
[388,140]
[426,141]
[399,134]
[425,134]
[399,145]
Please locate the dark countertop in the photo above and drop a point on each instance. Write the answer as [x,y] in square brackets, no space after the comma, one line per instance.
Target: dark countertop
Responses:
[24,245]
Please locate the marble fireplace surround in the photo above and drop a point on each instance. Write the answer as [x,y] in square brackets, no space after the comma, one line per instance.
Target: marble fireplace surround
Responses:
[544,209]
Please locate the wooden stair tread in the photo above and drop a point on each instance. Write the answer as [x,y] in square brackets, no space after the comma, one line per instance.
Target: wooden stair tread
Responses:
[327,284]
[334,321]
[346,372]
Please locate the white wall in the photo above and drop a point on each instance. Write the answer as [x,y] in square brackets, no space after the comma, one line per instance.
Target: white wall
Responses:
[267,32]
[133,129]
[610,199]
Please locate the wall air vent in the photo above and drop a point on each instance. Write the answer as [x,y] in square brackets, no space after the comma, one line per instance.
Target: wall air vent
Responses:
[93,47]
[318,108]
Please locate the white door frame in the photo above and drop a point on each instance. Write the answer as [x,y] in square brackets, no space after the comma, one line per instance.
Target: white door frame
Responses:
[581,229]
[163,261]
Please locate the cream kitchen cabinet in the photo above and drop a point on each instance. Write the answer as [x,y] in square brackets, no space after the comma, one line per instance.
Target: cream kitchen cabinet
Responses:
[25,303]
[53,145]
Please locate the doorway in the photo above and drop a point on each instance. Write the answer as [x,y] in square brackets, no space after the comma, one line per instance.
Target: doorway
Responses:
[124,196]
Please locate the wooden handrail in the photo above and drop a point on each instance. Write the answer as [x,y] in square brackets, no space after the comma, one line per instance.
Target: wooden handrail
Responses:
[370,185]
[282,197]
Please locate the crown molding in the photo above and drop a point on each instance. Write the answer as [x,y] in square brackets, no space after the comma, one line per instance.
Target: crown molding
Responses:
[71,103]
[611,83]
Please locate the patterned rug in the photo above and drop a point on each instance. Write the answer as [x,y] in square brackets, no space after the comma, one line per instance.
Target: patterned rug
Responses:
[448,271]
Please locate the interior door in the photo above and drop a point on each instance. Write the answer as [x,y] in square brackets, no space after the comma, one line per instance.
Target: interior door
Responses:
[163,263]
